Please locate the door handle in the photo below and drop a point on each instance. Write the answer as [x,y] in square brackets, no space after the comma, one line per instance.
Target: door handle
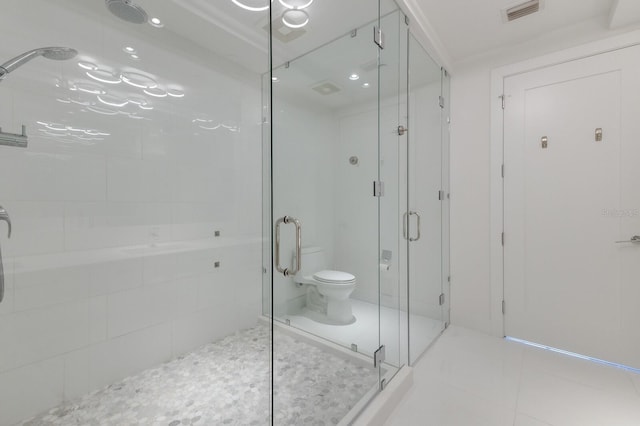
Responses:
[3,216]
[286,220]
[405,220]
[635,240]
[417,217]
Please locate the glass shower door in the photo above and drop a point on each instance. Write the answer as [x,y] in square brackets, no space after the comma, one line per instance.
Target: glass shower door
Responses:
[324,161]
[427,197]
[131,275]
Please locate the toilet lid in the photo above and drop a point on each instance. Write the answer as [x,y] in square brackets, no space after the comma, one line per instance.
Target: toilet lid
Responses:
[328,276]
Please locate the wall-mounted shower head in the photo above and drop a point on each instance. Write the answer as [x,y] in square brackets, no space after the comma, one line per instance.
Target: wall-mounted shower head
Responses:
[55,53]
[127,11]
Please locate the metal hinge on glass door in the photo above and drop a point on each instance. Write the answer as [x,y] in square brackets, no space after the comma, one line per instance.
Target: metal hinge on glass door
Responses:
[379,356]
[378,37]
[378,188]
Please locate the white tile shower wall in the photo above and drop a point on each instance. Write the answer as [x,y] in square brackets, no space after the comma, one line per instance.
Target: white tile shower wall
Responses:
[304,143]
[356,242]
[110,268]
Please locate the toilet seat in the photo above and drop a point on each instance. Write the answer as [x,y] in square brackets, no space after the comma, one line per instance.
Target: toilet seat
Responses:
[334,277]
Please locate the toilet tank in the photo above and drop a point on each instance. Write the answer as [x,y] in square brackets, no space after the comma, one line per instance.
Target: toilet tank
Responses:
[312,261]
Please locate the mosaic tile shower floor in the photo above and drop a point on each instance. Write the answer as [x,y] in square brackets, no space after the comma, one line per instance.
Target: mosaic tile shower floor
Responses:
[227,383]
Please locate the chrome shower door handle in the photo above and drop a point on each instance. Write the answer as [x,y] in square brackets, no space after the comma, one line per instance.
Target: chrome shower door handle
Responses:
[3,216]
[286,220]
[418,218]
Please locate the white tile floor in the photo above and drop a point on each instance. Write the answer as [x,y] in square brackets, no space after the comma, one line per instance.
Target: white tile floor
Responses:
[364,331]
[471,379]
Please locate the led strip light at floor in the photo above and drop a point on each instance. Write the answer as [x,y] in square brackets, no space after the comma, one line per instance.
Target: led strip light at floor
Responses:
[573,354]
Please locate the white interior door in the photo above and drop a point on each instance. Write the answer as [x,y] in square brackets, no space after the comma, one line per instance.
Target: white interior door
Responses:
[568,198]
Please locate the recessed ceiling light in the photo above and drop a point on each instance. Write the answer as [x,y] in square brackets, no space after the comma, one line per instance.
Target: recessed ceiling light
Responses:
[92,89]
[104,76]
[92,132]
[210,127]
[138,80]
[252,5]
[156,92]
[156,22]
[295,18]
[135,57]
[54,126]
[175,93]
[365,85]
[296,4]
[275,79]
[129,49]
[112,101]
[354,77]
[87,65]
[103,111]
[137,101]
[83,103]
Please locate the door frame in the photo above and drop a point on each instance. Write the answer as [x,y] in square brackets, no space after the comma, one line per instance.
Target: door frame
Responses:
[498,75]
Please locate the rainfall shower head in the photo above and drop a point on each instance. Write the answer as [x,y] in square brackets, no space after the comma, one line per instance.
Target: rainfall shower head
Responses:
[127,11]
[55,53]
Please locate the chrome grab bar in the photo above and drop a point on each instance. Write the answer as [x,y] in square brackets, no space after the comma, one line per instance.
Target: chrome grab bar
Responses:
[3,216]
[405,220]
[286,220]
[635,240]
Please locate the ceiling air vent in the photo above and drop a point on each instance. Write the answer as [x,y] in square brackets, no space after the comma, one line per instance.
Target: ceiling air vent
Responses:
[326,88]
[521,10]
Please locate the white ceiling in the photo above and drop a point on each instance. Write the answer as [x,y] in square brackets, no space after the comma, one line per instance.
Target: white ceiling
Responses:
[239,35]
[471,28]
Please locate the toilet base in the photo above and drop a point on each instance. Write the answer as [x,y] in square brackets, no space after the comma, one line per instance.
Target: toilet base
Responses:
[321,309]
[340,311]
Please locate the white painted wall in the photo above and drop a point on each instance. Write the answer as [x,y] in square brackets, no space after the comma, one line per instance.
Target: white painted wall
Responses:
[470,207]
[357,240]
[471,210]
[304,185]
[110,267]
[356,244]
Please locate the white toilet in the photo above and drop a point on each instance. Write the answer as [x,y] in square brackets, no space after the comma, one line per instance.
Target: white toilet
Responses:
[328,291]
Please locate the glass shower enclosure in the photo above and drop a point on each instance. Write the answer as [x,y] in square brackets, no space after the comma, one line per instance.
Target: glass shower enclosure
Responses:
[143,281]
[355,207]
[132,273]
